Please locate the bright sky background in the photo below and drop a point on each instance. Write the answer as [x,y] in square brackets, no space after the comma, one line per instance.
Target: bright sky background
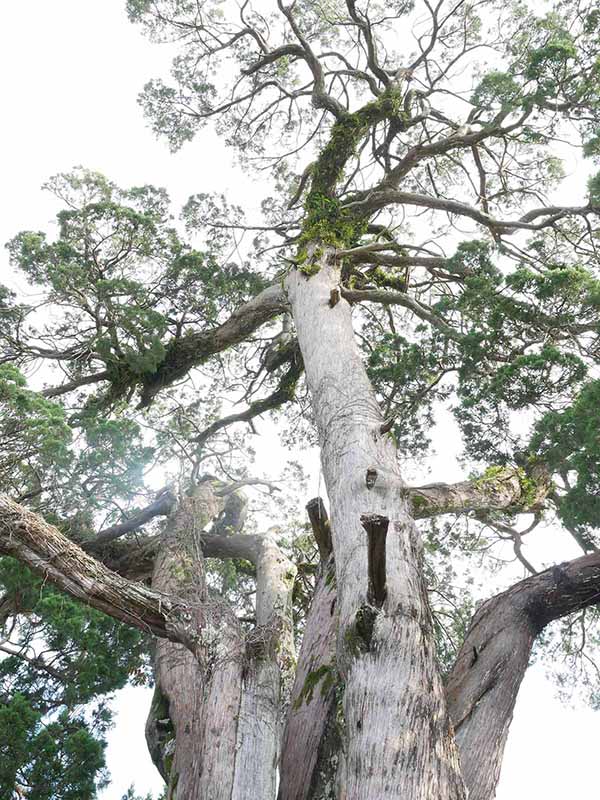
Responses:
[71,71]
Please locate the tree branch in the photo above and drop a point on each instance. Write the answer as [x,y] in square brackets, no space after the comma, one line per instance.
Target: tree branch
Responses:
[483,684]
[47,552]
[189,351]
[95,377]
[498,489]
[283,394]
[161,507]
[377,200]
[419,309]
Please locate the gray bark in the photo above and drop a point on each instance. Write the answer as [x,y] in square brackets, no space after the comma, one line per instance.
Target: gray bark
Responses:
[224,702]
[305,758]
[481,690]
[200,692]
[270,661]
[398,737]
[483,685]
[45,550]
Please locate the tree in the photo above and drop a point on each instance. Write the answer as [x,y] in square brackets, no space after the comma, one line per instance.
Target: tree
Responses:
[416,257]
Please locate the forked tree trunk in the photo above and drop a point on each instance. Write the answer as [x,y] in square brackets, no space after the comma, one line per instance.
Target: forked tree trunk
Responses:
[397,734]
[215,723]
[481,690]
[192,727]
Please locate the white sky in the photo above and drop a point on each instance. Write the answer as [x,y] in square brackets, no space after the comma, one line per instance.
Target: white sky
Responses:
[71,71]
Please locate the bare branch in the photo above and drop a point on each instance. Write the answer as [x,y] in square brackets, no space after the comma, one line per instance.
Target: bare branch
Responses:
[420,310]
[283,394]
[161,507]
[377,200]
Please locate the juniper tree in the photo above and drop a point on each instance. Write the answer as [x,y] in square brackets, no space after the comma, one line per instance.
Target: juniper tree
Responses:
[410,253]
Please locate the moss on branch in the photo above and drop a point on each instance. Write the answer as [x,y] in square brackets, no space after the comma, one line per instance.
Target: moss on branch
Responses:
[327,223]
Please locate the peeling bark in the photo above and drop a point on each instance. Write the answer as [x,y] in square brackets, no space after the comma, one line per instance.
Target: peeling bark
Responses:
[215,722]
[47,552]
[481,690]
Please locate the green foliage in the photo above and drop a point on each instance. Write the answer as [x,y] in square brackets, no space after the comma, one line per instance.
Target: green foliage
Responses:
[54,759]
[131,795]
[497,89]
[67,657]
[93,655]
[569,440]
[594,188]
[34,434]
[409,375]
[123,279]
[514,353]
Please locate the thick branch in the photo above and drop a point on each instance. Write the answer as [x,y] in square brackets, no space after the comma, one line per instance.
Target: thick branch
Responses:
[191,350]
[44,549]
[161,507]
[320,97]
[274,55]
[483,685]
[321,527]
[498,489]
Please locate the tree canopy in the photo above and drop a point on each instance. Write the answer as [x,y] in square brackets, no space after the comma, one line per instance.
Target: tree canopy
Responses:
[412,155]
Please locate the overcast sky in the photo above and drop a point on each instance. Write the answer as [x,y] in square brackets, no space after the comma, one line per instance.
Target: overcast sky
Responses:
[71,71]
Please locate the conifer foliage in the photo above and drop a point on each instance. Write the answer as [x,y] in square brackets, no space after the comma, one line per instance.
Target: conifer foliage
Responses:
[415,255]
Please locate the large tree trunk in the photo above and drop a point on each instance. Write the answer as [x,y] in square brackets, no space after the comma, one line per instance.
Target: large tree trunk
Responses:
[192,726]
[398,737]
[310,749]
[481,690]
[215,723]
